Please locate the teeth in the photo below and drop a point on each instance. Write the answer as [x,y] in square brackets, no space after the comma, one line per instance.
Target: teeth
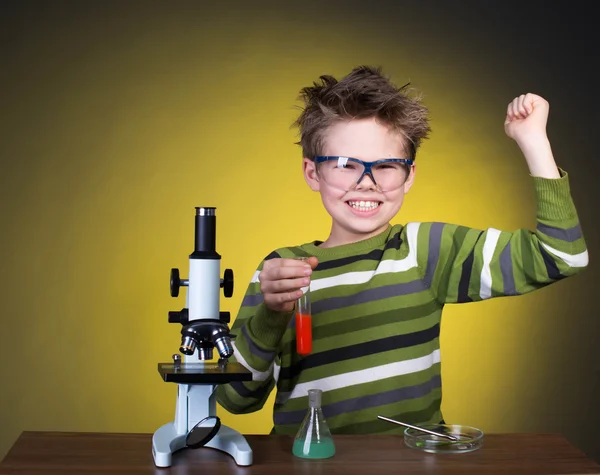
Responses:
[364,205]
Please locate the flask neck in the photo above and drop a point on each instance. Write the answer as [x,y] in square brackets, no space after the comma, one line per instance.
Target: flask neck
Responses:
[314,398]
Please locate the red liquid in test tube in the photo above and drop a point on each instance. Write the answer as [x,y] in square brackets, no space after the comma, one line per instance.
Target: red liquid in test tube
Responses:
[304,323]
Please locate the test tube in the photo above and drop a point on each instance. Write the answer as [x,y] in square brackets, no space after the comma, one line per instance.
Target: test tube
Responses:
[304,322]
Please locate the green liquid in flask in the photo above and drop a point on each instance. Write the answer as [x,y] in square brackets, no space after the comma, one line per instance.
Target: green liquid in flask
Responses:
[313,440]
[314,450]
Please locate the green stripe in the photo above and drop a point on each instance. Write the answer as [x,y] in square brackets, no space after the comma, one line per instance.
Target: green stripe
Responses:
[532,269]
[392,315]
[448,271]
[364,265]
[291,252]
[373,333]
[341,315]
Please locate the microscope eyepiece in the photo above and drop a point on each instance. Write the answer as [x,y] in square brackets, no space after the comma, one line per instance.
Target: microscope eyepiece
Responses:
[205,211]
[205,233]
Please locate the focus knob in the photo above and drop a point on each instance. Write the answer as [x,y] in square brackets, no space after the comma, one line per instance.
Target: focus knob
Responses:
[175,282]
[174,317]
[227,283]
[179,317]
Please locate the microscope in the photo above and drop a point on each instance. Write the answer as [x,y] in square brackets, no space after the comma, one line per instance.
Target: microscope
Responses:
[204,328]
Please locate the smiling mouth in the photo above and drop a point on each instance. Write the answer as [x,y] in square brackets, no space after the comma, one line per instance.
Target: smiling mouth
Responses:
[364,205]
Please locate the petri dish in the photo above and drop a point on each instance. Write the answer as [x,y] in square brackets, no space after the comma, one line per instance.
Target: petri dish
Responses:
[469,439]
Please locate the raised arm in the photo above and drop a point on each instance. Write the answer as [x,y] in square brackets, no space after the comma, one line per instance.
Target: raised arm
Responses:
[480,264]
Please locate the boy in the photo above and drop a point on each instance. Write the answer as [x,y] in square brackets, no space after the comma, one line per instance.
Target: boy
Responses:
[378,290]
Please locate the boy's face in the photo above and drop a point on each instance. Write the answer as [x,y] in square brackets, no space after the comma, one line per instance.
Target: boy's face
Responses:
[366,140]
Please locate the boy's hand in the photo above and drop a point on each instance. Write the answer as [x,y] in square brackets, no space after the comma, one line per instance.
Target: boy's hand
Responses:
[525,123]
[282,279]
[526,118]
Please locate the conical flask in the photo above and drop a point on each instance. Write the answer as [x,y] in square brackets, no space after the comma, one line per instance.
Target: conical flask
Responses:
[313,440]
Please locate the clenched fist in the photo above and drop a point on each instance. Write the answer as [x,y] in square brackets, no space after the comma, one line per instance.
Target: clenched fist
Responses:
[526,116]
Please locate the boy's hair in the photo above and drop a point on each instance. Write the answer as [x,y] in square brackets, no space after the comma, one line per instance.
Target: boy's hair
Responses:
[363,94]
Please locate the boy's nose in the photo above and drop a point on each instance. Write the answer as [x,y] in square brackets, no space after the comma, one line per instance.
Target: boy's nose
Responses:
[366,182]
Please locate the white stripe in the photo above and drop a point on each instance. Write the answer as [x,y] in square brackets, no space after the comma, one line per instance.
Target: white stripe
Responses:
[572,260]
[362,376]
[489,246]
[256,375]
[384,267]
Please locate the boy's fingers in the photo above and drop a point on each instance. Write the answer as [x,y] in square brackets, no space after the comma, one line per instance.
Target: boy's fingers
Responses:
[293,268]
[523,106]
[510,110]
[283,286]
[282,301]
[272,269]
[515,109]
[313,261]
[282,278]
[290,272]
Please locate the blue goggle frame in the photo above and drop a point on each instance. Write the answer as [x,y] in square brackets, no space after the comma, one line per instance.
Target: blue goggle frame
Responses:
[366,165]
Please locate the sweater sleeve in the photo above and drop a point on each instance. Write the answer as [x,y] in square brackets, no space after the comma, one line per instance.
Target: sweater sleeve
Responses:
[258,333]
[473,265]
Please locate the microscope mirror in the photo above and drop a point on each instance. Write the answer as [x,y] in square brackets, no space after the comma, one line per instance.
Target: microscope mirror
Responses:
[203,432]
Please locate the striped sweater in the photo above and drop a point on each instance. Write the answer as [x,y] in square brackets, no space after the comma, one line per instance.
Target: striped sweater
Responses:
[377,307]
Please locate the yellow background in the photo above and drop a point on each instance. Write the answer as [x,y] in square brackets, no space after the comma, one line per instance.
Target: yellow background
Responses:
[117,122]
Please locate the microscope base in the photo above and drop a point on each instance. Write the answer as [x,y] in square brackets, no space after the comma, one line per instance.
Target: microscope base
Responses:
[232,442]
[194,403]
[166,441]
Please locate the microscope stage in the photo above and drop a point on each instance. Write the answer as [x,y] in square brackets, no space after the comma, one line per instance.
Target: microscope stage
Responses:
[204,373]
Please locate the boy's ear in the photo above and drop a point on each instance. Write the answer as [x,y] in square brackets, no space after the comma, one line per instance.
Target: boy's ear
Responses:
[411,178]
[310,174]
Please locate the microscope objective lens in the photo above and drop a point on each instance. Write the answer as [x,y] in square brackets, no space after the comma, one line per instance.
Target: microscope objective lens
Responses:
[188,346]
[224,347]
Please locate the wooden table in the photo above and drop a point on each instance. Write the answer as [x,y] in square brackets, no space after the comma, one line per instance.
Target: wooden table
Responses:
[53,453]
